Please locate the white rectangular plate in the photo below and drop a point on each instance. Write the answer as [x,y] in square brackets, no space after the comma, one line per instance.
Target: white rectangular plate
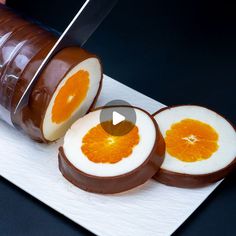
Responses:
[151,209]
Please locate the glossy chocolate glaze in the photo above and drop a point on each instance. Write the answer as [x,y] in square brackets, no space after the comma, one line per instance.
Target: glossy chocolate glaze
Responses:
[23,46]
[116,184]
[181,180]
[13,61]
[18,46]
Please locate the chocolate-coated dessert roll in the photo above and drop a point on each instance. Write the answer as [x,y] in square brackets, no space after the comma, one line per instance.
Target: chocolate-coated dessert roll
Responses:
[66,89]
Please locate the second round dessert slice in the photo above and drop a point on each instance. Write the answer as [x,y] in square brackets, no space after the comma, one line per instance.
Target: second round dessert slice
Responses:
[97,161]
[200,146]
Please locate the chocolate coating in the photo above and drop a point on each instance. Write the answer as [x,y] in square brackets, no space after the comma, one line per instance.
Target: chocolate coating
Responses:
[20,41]
[181,180]
[23,47]
[192,181]
[115,184]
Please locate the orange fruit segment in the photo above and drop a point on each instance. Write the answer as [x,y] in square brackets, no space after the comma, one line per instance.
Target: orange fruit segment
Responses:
[70,96]
[191,140]
[101,147]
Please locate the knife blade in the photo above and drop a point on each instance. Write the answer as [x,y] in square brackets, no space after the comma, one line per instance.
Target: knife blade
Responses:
[85,22]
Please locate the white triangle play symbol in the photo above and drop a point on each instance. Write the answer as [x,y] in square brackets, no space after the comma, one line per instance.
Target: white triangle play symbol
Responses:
[117,118]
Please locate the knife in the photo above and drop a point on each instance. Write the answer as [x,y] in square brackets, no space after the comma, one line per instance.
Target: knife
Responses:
[85,22]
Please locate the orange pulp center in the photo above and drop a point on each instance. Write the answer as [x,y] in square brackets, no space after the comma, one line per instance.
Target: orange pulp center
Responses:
[70,96]
[191,140]
[101,147]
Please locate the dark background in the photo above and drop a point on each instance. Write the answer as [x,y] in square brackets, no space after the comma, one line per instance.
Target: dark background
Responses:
[177,52]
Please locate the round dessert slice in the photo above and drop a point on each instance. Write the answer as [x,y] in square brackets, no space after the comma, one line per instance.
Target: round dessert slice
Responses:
[200,146]
[100,162]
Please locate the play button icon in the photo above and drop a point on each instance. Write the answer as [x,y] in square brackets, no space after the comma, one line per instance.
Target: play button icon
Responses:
[118,117]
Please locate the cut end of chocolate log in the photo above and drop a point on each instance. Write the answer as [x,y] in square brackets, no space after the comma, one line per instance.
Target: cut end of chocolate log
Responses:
[200,146]
[99,162]
[76,92]
[65,91]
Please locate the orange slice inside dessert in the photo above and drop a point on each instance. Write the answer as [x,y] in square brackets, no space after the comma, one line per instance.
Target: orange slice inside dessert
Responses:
[102,147]
[191,140]
[70,96]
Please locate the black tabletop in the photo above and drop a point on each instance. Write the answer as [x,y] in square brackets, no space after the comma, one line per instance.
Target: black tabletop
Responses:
[177,52]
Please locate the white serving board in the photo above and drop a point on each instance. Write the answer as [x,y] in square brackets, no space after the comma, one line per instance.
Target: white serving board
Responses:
[151,209]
